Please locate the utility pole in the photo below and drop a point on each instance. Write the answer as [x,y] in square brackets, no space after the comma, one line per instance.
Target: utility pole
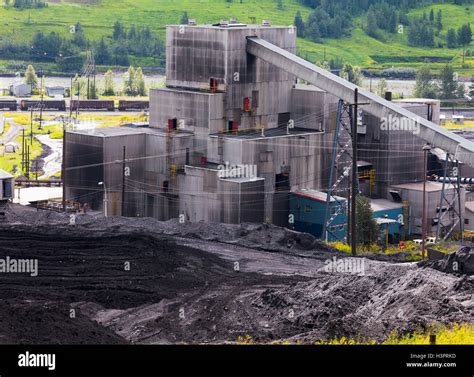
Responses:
[63,166]
[354,174]
[123,181]
[77,105]
[27,169]
[71,96]
[23,151]
[426,149]
[31,127]
[41,110]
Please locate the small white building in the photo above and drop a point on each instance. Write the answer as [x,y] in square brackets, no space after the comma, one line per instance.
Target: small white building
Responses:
[55,91]
[469,216]
[458,119]
[20,90]
[6,186]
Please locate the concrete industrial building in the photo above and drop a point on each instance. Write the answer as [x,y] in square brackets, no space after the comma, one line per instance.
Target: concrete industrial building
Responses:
[232,135]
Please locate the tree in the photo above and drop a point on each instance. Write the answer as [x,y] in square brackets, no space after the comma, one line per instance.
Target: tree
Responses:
[184,19]
[109,84]
[129,82]
[102,53]
[311,30]
[299,24]
[70,58]
[30,77]
[439,20]
[139,82]
[451,39]
[448,86]
[425,87]
[372,28]
[324,65]
[132,33]
[351,73]
[118,30]
[280,4]
[460,90]
[432,15]
[420,33]
[121,55]
[367,228]
[382,87]
[471,87]
[79,38]
[464,38]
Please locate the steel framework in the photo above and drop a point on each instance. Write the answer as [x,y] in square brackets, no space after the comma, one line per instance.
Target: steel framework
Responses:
[340,173]
[450,203]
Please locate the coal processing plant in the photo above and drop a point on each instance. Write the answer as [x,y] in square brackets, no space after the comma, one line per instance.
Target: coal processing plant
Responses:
[246,131]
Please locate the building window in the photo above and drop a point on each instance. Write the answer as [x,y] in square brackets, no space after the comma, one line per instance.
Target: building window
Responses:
[466,221]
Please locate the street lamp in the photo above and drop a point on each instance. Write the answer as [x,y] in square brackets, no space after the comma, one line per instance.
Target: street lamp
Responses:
[426,149]
[105,197]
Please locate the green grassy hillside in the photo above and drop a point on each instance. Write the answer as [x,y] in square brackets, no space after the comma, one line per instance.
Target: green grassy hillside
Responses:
[97,20]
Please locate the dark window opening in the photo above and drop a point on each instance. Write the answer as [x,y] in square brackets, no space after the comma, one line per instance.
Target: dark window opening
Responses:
[172,124]
[282,182]
[283,119]
[232,126]
[213,84]
[396,196]
[7,188]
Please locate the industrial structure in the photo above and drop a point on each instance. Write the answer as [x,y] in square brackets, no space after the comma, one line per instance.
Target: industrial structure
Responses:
[235,133]
[7,184]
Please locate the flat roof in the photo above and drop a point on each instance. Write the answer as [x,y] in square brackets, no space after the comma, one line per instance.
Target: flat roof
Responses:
[243,179]
[179,89]
[418,100]
[108,131]
[269,133]
[231,26]
[5,175]
[127,130]
[384,204]
[319,196]
[418,186]
[470,206]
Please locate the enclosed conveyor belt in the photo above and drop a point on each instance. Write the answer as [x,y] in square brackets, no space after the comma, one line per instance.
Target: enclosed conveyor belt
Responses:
[462,149]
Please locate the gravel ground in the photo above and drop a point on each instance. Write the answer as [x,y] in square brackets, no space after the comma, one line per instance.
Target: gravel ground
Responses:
[144,281]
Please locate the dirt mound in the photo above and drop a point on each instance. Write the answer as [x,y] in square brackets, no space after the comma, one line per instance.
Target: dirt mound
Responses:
[39,322]
[391,298]
[460,262]
[166,282]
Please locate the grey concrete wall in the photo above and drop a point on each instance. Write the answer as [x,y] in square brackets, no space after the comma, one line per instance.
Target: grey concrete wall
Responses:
[415,199]
[84,162]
